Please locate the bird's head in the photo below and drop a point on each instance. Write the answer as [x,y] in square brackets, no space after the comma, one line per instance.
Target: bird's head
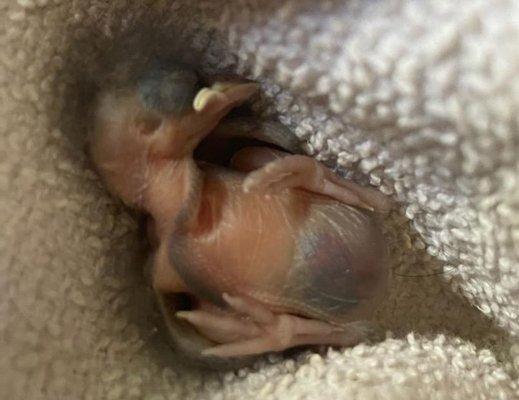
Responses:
[161,118]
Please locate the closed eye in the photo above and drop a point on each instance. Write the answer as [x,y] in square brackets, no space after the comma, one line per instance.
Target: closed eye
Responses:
[148,124]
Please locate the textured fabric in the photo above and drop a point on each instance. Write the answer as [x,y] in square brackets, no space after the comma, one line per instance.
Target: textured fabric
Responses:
[419,98]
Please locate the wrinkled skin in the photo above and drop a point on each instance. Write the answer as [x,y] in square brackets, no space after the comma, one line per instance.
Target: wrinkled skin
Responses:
[275,251]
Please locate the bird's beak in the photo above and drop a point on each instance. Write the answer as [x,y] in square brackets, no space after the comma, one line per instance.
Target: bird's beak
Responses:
[223,96]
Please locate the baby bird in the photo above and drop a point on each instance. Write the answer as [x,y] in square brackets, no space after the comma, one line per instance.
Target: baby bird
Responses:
[274,250]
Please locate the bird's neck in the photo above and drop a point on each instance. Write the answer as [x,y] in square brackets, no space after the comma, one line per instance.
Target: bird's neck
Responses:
[171,186]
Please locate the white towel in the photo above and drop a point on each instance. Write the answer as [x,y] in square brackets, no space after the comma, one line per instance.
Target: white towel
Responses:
[419,98]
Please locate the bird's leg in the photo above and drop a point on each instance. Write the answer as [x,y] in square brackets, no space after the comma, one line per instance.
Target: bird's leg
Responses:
[277,171]
[254,329]
[220,326]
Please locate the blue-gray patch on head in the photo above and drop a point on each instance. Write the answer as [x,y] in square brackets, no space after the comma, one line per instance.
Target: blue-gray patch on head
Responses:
[168,87]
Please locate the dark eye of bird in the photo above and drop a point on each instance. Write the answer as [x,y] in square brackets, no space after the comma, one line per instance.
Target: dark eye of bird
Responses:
[168,88]
[148,124]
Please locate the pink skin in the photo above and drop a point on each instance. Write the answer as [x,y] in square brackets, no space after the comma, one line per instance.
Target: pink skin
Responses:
[154,171]
[251,328]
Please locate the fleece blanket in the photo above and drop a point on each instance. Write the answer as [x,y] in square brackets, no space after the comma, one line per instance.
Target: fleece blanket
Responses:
[418,98]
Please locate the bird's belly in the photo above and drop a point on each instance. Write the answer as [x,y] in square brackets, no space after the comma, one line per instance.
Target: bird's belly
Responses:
[340,266]
[295,252]
[240,243]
